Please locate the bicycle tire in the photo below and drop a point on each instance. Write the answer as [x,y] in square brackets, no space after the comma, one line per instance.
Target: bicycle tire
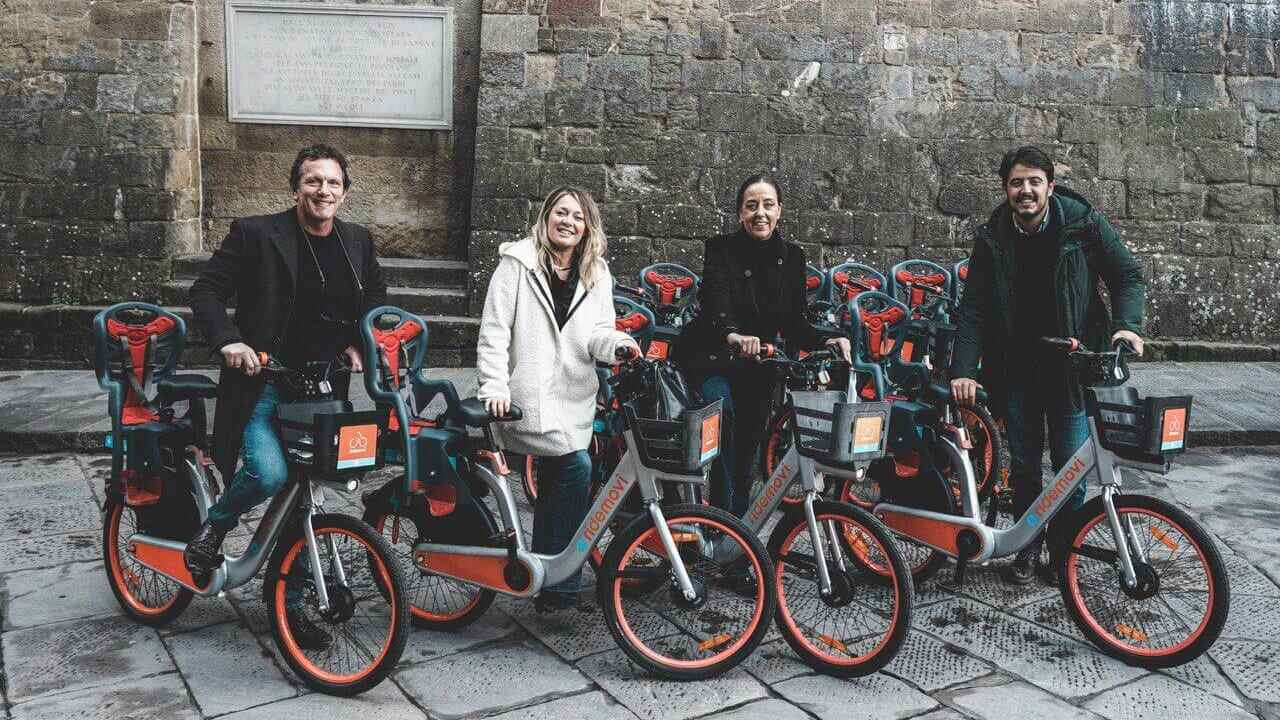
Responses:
[988,452]
[826,648]
[386,580]
[172,599]
[428,594]
[1122,641]
[529,480]
[689,621]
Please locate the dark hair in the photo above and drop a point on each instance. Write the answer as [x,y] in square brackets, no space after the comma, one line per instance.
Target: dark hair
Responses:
[1028,155]
[757,178]
[319,151]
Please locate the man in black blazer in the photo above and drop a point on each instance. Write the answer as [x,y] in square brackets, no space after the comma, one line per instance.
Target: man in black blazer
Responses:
[301,279]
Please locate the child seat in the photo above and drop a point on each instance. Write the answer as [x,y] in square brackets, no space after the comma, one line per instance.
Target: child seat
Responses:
[136,347]
[880,326]
[907,277]
[815,283]
[670,284]
[959,276]
[850,279]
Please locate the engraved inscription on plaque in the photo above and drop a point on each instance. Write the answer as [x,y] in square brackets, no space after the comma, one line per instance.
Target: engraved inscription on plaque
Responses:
[322,64]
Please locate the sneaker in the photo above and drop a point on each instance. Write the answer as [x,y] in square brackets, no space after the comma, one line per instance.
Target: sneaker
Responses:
[307,634]
[203,554]
[551,601]
[1023,568]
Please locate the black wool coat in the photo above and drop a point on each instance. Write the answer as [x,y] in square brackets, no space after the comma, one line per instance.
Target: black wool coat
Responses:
[257,265]
[758,293]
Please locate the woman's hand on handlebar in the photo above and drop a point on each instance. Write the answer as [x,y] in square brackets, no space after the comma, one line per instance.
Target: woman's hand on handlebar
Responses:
[1130,337]
[354,361]
[965,390]
[498,407]
[240,355]
[627,349]
[841,345]
[748,345]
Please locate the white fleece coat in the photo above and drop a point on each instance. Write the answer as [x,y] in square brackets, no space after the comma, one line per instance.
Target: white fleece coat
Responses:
[549,372]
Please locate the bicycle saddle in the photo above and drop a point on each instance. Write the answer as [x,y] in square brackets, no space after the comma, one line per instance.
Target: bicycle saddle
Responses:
[473,413]
[186,387]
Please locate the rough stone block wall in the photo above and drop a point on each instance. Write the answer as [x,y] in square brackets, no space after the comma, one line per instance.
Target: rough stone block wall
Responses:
[885,121]
[412,187]
[97,137]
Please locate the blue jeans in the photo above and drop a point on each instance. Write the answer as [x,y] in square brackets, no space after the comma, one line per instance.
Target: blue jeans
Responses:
[262,474]
[564,484]
[1028,414]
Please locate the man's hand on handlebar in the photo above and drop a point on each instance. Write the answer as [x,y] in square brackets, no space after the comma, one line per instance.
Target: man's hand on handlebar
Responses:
[841,345]
[1130,337]
[498,407]
[240,355]
[965,390]
[748,345]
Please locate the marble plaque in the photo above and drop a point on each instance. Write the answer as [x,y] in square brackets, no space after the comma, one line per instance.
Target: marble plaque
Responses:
[323,64]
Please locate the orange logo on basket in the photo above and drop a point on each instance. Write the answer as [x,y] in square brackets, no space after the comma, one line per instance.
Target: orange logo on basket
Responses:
[357,446]
[710,437]
[658,350]
[1173,429]
[866,434]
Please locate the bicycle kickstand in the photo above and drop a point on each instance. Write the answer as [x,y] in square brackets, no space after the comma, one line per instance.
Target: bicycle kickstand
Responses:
[968,544]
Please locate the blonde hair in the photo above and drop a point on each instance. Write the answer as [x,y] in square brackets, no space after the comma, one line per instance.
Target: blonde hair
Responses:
[593,243]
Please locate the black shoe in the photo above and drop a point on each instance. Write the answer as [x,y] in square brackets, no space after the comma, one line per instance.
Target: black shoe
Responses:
[307,634]
[1023,569]
[202,555]
[550,601]
[740,580]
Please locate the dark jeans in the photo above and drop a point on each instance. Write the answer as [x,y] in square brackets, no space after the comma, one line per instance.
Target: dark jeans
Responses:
[564,485]
[744,394]
[1028,414]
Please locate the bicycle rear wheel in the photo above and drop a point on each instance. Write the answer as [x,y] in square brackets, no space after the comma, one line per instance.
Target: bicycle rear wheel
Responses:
[368,615]
[1183,594]
[860,626]
[144,594]
[652,621]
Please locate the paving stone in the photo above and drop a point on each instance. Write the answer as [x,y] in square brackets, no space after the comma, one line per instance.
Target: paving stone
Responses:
[1052,614]
[201,613]
[489,680]
[651,697]
[62,516]
[586,705]
[931,664]
[52,491]
[80,654]
[65,592]
[1253,618]
[1246,579]
[1204,674]
[158,697]
[943,714]
[873,697]
[984,583]
[429,644]
[577,633]
[1161,697]
[763,710]
[774,662]
[1063,667]
[384,702]
[227,669]
[1011,700]
[35,552]
[1254,667]
[22,470]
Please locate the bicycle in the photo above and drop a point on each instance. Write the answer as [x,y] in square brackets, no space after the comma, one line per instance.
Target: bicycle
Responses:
[1141,579]
[656,571]
[161,488]
[839,619]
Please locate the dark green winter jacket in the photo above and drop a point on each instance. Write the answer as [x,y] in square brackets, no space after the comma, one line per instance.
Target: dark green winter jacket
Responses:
[1091,250]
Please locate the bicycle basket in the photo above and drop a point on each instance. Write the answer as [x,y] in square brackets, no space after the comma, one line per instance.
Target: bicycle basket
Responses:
[835,432]
[1147,430]
[324,437]
[683,446]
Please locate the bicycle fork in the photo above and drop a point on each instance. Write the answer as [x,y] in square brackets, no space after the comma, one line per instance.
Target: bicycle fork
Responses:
[313,549]
[669,546]
[818,538]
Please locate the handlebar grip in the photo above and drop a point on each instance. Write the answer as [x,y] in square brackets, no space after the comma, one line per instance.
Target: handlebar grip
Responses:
[263,359]
[1065,344]
[767,350]
[1124,346]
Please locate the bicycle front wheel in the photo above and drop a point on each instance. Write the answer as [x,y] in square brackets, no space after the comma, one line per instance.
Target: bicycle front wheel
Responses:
[656,625]
[1182,596]
[860,625]
[350,646]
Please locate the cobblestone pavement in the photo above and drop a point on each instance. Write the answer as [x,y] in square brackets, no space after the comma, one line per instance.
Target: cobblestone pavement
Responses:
[991,652]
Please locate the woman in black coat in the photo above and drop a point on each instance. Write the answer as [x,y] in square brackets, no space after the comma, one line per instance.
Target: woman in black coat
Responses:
[752,292]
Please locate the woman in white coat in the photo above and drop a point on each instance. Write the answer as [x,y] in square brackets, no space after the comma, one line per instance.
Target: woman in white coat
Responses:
[548,318]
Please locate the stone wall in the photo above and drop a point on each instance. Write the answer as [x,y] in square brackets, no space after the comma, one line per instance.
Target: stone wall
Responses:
[97,166]
[885,121]
[413,187]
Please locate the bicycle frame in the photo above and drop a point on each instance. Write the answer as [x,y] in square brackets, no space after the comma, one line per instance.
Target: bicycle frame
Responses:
[941,531]
[490,566]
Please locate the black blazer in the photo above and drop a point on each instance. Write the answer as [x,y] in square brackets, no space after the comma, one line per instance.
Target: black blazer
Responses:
[760,293]
[257,264]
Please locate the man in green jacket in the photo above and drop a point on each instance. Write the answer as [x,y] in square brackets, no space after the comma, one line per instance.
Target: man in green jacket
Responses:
[1035,272]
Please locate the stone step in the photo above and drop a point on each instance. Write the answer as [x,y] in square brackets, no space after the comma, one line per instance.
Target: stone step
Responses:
[402,272]
[424,301]
[42,336]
